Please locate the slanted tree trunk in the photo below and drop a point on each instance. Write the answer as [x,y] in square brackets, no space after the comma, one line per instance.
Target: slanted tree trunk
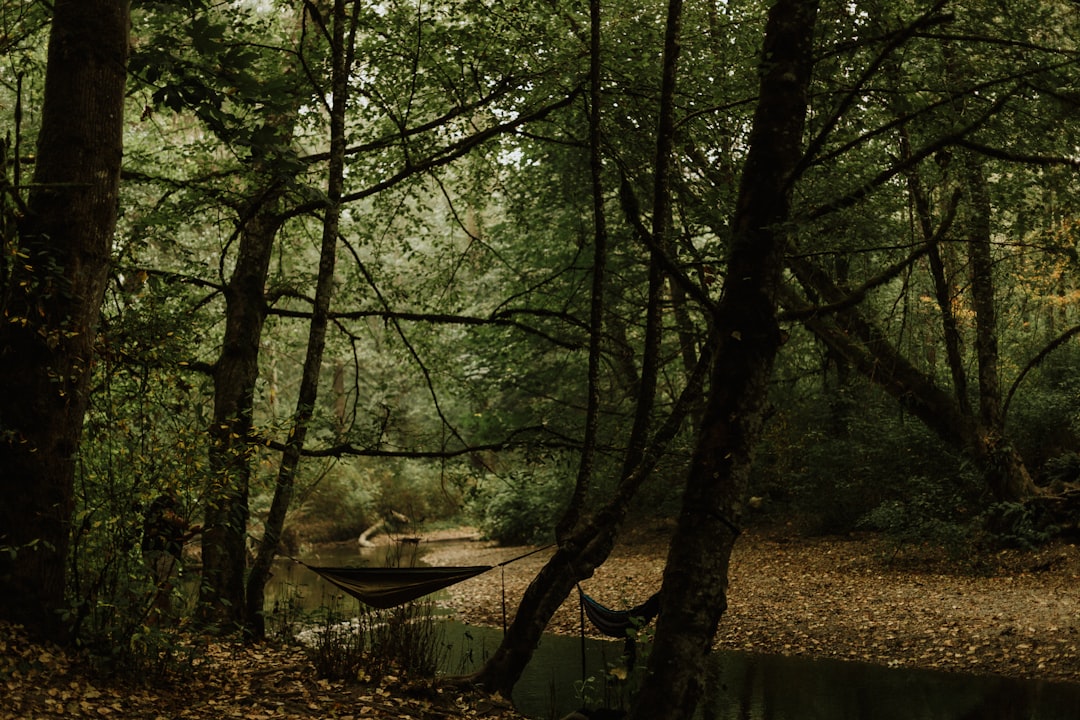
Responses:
[578,555]
[694,593]
[54,292]
[847,333]
[585,542]
[344,31]
[980,435]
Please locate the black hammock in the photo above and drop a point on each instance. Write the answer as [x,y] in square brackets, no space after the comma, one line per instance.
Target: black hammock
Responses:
[616,623]
[388,587]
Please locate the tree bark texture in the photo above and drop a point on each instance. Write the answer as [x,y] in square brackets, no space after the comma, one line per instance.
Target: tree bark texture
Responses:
[224,539]
[51,307]
[1006,473]
[694,594]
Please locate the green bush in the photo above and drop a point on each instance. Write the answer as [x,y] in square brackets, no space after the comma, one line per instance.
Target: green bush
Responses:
[419,490]
[340,505]
[832,470]
[144,436]
[126,609]
[1061,470]
[521,509]
[337,647]
[930,511]
[1044,416]
[1017,525]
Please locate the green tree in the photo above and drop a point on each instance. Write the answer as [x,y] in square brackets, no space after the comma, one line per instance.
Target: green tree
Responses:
[426,118]
[942,124]
[587,529]
[343,37]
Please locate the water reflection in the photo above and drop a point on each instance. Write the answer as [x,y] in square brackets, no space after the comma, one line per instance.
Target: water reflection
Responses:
[744,686]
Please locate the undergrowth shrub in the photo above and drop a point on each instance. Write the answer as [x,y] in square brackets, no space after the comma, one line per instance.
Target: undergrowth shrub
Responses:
[853,462]
[371,644]
[337,647]
[340,506]
[930,511]
[144,439]
[127,607]
[523,507]
[1044,418]
[1017,525]
[614,690]
[1062,470]
[409,639]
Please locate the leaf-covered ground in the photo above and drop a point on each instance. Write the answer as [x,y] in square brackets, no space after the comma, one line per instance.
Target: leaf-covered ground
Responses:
[1015,613]
[863,598]
[228,681]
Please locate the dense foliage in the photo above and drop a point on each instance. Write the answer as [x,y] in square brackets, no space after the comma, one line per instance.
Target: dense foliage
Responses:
[925,386]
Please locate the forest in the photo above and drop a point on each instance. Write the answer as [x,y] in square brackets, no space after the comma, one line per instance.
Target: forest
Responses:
[301,268]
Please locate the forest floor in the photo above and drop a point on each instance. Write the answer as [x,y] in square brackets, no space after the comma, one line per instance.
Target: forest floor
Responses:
[225,681]
[1016,613]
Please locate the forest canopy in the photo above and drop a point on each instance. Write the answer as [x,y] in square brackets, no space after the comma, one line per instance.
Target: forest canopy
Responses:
[505,263]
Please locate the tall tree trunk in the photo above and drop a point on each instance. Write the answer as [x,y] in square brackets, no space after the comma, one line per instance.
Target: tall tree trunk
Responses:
[224,539]
[694,594]
[572,516]
[1006,473]
[52,304]
[222,595]
[586,542]
[342,45]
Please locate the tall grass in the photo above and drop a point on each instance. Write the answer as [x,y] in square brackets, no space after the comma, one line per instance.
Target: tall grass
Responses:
[406,640]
